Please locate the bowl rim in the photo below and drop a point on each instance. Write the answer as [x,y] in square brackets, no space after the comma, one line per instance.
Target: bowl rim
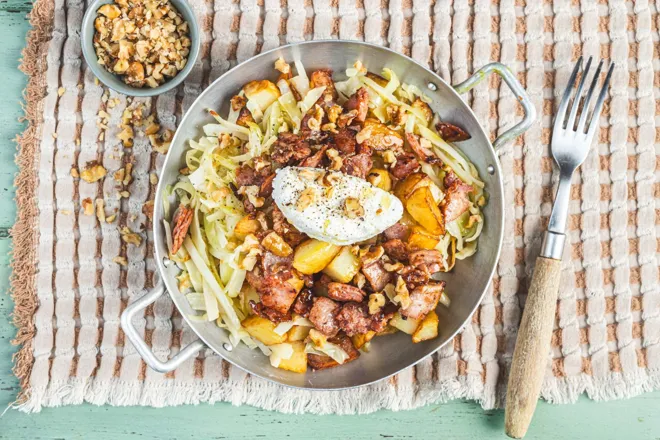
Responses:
[87,49]
[163,270]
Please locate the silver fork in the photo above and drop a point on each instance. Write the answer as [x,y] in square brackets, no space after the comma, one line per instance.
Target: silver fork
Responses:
[571,139]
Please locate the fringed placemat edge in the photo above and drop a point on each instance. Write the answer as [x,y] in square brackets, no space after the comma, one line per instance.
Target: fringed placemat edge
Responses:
[25,233]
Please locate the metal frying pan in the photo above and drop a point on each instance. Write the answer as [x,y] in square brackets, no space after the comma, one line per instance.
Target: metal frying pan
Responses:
[466,283]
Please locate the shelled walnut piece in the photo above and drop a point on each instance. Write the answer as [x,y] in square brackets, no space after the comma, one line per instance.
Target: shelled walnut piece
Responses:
[144,41]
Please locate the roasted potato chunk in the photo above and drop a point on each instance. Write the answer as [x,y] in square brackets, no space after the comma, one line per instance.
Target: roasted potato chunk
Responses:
[246,226]
[380,178]
[298,361]
[313,256]
[405,188]
[361,339]
[297,333]
[263,93]
[422,239]
[262,330]
[428,328]
[406,325]
[423,208]
[378,137]
[344,266]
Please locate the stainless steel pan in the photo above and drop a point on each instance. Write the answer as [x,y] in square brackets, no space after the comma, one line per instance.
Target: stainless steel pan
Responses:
[466,284]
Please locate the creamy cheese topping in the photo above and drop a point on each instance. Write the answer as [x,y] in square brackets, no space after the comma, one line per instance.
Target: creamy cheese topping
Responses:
[334,207]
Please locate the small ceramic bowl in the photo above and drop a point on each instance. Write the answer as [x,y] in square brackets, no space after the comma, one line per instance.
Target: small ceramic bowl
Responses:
[114,81]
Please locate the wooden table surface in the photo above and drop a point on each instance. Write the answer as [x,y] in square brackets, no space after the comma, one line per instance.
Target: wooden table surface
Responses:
[634,419]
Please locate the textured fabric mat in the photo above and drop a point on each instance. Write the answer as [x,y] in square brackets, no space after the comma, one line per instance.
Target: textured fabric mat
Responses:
[69,293]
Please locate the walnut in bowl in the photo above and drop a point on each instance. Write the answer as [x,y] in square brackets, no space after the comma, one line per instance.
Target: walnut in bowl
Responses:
[140,47]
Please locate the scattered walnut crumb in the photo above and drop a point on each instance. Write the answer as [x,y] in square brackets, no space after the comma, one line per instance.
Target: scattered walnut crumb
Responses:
[74,172]
[124,194]
[93,172]
[88,206]
[65,212]
[61,91]
[111,218]
[153,178]
[252,193]
[100,210]
[54,135]
[282,66]
[120,260]
[119,175]
[337,161]
[148,210]
[130,237]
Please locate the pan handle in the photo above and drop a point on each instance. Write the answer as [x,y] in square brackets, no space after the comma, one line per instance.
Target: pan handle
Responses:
[517,89]
[141,346]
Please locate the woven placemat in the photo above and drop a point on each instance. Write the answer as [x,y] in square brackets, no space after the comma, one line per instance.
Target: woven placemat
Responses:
[69,292]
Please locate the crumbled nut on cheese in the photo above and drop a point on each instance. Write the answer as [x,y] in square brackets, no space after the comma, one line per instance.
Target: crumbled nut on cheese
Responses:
[120,260]
[307,197]
[145,42]
[352,208]
[161,143]
[130,237]
[100,210]
[128,177]
[93,172]
[88,206]
[376,302]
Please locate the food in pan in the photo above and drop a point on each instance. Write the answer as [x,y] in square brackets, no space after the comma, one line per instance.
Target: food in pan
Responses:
[316,215]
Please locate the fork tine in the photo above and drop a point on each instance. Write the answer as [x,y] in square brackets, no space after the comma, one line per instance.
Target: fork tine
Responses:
[578,94]
[587,100]
[563,105]
[599,104]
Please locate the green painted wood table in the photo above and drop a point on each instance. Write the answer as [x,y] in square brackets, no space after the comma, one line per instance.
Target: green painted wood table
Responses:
[631,419]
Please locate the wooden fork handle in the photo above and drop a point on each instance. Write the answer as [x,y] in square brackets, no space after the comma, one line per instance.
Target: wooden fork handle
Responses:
[532,347]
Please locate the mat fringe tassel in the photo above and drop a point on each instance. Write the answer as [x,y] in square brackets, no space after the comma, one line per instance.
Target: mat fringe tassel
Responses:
[24,237]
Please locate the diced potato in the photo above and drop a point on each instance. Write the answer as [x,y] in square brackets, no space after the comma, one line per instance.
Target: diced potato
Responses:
[360,340]
[389,330]
[380,178]
[406,187]
[344,266]
[428,328]
[298,361]
[246,226]
[313,256]
[262,330]
[424,210]
[423,108]
[380,137]
[276,244]
[407,325]
[298,333]
[422,239]
[263,93]
[296,282]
